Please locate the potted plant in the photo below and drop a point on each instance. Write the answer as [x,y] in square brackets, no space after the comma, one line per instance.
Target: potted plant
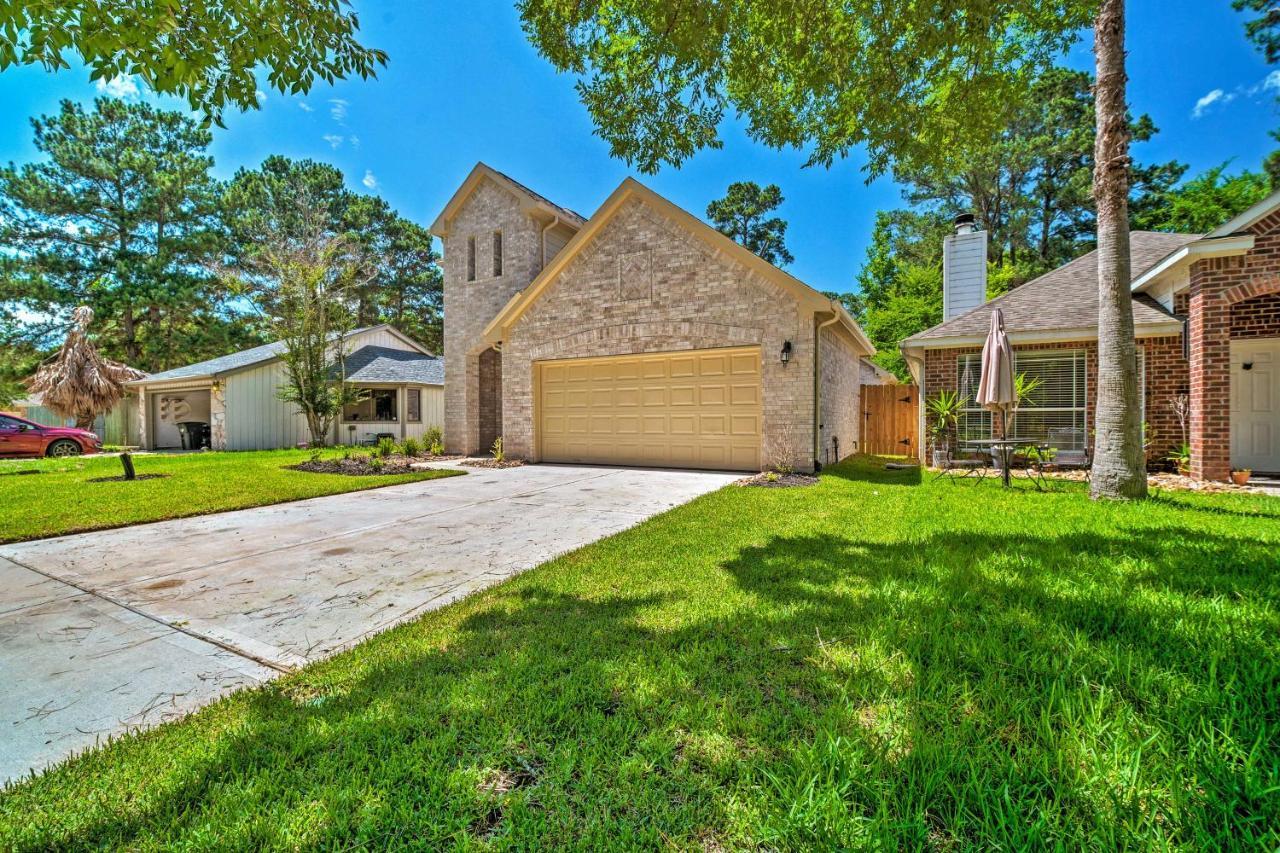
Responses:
[1181,458]
[1240,476]
[945,409]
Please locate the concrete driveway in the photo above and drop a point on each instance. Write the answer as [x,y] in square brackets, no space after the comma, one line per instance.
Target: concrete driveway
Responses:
[104,632]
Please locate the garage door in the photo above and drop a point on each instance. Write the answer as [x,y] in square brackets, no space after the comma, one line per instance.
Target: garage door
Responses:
[692,409]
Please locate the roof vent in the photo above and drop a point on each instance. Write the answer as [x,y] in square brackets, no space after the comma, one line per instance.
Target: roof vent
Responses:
[964,268]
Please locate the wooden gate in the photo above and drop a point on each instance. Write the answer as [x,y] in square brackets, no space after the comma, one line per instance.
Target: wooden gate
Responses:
[890,420]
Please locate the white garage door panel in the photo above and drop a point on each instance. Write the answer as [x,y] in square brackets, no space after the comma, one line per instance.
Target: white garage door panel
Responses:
[698,409]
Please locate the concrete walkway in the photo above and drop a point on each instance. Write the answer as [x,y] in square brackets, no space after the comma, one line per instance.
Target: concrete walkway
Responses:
[104,632]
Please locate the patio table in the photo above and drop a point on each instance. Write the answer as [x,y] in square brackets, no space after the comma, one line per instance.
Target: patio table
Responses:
[1006,447]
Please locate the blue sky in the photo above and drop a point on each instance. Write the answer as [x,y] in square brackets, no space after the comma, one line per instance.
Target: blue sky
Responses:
[464,85]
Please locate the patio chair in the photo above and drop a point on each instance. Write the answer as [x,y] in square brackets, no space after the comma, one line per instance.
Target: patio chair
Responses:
[1072,451]
[967,462]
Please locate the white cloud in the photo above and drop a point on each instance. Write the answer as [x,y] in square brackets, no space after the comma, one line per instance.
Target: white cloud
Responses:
[119,87]
[1217,96]
[354,140]
[338,110]
[369,180]
[334,140]
[305,107]
[261,96]
[1270,82]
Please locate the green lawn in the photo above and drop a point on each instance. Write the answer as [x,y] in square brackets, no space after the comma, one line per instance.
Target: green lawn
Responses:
[60,499]
[870,662]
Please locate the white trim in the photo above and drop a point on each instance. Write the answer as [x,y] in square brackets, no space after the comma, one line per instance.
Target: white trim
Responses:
[1215,247]
[1053,336]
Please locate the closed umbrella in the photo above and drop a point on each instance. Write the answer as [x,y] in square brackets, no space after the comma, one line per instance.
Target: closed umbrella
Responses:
[996,387]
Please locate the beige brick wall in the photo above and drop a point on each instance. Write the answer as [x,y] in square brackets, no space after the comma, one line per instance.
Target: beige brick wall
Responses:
[644,284]
[469,306]
[839,399]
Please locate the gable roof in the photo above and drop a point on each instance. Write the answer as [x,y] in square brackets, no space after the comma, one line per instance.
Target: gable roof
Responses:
[808,297]
[478,175]
[383,364]
[1064,299]
[223,364]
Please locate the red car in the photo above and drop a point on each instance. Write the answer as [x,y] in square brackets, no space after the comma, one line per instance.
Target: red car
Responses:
[25,438]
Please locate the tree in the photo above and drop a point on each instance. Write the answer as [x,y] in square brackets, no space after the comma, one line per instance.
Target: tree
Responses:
[740,215]
[206,52]
[79,383]
[121,216]
[402,283]
[1204,202]
[916,91]
[1264,30]
[300,275]
[1119,464]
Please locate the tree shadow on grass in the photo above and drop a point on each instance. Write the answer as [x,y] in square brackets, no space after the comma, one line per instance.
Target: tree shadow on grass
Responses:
[871,469]
[963,688]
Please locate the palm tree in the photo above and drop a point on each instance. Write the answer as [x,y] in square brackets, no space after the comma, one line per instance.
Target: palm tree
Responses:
[1118,467]
[78,382]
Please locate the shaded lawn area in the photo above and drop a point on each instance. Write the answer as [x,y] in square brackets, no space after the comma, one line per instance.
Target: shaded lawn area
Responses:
[871,660]
[61,499]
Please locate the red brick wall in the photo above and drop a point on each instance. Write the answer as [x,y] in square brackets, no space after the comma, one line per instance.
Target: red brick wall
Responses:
[1166,376]
[1256,318]
[1218,286]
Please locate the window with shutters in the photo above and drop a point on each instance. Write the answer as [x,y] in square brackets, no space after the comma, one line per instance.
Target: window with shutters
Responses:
[471,259]
[497,254]
[1055,412]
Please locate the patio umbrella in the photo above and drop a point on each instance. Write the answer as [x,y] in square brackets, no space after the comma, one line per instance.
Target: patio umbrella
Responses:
[996,387]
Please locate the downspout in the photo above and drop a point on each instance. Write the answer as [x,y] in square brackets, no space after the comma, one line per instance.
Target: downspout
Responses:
[817,387]
[555,220]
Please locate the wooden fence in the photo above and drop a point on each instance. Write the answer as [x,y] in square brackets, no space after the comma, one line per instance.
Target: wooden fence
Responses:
[890,420]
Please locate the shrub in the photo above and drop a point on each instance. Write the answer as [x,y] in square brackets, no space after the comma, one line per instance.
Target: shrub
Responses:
[436,449]
[386,447]
[375,464]
[498,455]
[410,447]
[315,454]
[433,437]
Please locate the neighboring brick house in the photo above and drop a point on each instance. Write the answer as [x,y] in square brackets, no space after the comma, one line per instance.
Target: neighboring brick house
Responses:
[1206,318]
[639,336]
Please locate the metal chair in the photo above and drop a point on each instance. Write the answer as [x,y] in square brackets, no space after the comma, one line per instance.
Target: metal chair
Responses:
[1071,450]
[968,463]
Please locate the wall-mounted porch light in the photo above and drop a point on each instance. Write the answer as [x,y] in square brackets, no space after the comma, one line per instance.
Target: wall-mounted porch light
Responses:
[786,351]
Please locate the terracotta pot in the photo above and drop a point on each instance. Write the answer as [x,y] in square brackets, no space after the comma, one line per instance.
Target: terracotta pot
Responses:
[1240,478]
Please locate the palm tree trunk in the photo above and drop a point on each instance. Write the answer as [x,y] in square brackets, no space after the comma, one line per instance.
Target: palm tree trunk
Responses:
[1118,470]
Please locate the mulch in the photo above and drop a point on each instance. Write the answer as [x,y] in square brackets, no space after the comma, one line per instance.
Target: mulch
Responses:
[491,463]
[355,466]
[773,480]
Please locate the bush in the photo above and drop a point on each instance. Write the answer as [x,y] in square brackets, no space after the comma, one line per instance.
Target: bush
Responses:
[375,464]
[410,447]
[433,438]
[386,447]
[498,455]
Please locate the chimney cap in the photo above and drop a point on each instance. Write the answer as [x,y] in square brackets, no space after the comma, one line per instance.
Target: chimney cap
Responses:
[965,219]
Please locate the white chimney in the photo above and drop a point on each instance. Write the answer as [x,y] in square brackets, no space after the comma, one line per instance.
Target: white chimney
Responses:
[964,268]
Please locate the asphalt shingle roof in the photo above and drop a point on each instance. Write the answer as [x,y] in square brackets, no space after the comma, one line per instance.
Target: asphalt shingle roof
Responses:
[225,363]
[383,364]
[1065,298]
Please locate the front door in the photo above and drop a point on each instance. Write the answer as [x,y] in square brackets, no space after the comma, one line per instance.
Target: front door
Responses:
[1255,404]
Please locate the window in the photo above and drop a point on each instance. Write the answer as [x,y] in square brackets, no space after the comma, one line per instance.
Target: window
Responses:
[471,259]
[1055,412]
[413,405]
[497,253]
[375,404]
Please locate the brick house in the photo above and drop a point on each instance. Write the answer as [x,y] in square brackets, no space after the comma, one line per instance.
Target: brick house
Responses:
[1207,322]
[639,335]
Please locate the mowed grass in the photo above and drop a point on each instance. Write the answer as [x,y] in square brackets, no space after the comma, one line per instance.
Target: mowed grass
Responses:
[873,661]
[61,499]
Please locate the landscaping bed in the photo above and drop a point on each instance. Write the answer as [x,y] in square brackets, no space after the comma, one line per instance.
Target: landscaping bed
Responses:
[776,480]
[483,462]
[876,662]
